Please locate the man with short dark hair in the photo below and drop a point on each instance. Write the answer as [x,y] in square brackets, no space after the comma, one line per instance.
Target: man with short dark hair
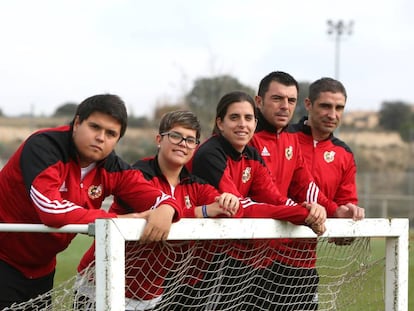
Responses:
[279,146]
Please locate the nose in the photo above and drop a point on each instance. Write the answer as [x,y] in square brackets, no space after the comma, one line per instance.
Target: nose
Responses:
[284,104]
[242,122]
[332,113]
[100,135]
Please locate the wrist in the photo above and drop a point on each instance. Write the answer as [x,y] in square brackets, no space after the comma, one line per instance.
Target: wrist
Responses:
[204,211]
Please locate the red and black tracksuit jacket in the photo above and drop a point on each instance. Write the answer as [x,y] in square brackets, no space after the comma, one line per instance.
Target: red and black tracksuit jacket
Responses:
[41,184]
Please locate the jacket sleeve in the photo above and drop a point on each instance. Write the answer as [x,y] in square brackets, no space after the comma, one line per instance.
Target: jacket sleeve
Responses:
[56,211]
[264,189]
[140,195]
[296,214]
[347,189]
[212,167]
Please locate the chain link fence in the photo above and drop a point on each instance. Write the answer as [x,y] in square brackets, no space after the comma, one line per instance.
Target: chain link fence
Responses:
[387,194]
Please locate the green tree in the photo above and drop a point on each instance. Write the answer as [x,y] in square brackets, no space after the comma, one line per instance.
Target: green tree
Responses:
[206,93]
[397,116]
[66,110]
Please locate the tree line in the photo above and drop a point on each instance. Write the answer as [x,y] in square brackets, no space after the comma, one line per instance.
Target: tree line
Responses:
[206,91]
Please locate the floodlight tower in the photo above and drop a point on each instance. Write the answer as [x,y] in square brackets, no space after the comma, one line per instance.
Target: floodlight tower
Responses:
[338,30]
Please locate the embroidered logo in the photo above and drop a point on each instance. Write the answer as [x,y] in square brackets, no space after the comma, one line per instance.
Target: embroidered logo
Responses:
[63,188]
[289,153]
[95,192]
[187,201]
[329,156]
[246,174]
[265,152]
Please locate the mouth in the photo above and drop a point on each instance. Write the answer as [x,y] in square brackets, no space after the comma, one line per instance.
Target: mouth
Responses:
[180,151]
[330,124]
[282,116]
[241,134]
[96,148]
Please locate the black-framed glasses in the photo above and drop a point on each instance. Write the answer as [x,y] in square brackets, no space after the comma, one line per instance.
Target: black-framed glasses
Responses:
[176,139]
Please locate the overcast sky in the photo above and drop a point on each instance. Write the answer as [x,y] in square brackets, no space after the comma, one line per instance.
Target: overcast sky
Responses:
[53,52]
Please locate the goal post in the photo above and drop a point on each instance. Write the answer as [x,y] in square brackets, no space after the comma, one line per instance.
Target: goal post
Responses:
[370,272]
[112,233]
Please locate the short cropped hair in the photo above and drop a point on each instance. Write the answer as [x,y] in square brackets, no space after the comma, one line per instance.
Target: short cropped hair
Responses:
[184,118]
[325,85]
[109,104]
[277,76]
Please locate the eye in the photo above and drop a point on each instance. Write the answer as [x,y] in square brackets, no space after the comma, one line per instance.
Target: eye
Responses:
[112,133]
[191,140]
[175,135]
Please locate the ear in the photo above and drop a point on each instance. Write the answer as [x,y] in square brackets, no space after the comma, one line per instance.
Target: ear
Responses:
[219,124]
[158,139]
[308,104]
[258,101]
[76,123]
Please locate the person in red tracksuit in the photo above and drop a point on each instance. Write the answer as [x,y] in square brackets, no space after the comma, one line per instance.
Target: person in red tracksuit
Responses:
[234,166]
[178,136]
[61,176]
[281,150]
[329,159]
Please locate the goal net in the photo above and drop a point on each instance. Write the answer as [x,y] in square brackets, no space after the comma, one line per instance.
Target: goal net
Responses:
[247,264]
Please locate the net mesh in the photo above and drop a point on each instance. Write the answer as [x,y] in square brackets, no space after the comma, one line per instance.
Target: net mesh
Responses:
[237,275]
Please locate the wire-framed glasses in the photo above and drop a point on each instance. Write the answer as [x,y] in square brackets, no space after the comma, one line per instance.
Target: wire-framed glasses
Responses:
[176,139]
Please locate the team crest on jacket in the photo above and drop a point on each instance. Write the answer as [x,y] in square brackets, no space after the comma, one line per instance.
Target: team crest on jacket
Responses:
[95,192]
[289,152]
[187,201]
[329,156]
[246,175]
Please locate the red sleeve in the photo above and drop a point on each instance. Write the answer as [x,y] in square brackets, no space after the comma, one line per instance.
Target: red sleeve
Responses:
[347,190]
[138,193]
[55,210]
[296,214]
[264,189]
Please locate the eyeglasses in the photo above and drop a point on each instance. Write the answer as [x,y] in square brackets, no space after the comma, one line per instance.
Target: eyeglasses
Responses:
[176,139]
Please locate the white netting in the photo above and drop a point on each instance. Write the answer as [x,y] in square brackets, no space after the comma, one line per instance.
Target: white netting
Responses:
[236,275]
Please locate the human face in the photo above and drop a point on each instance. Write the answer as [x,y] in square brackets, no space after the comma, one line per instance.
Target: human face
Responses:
[325,113]
[175,154]
[96,137]
[238,124]
[278,104]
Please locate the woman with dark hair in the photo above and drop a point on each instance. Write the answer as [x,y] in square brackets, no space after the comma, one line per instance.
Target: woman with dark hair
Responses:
[236,167]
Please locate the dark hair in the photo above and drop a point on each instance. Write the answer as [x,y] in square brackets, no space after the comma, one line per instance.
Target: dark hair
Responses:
[109,104]
[325,85]
[185,118]
[226,101]
[277,76]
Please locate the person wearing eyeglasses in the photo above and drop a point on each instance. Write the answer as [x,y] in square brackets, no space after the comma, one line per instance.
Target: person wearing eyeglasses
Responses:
[178,137]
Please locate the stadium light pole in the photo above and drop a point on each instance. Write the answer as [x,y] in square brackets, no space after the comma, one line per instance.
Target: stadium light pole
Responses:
[338,30]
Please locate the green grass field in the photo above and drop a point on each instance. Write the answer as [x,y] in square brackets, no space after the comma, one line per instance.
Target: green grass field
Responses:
[69,259]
